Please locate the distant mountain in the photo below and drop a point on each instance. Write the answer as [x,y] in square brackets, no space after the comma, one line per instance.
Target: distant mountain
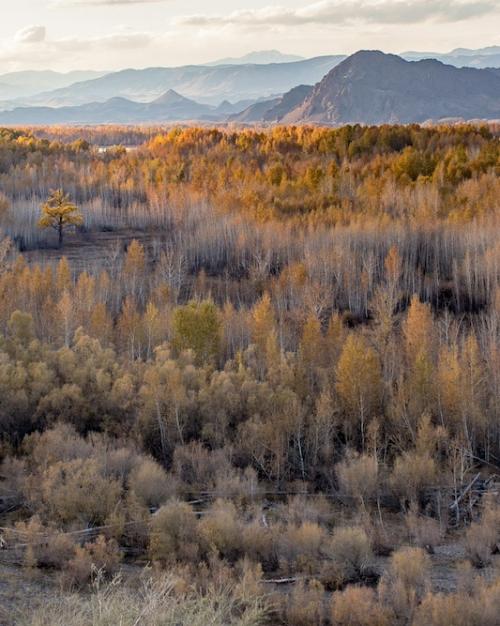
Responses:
[209,85]
[371,87]
[461,57]
[169,107]
[273,111]
[24,84]
[262,57]
[368,87]
[228,108]
[255,113]
[471,52]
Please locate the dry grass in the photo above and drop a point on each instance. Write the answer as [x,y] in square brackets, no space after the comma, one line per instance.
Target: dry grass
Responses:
[154,603]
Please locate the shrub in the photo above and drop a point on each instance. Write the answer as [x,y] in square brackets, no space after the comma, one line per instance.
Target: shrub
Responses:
[260,544]
[300,509]
[358,606]
[174,534]
[425,532]
[304,605]
[480,539]
[101,556]
[119,462]
[405,581]
[13,477]
[480,607]
[350,552]
[45,546]
[151,483]
[234,483]
[199,467]
[383,538]
[445,610]
[299,547]
[358,477]
[75,491]
[221,530]
[59,443]
[413,472]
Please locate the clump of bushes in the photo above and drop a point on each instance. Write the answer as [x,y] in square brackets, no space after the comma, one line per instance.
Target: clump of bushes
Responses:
[300,547]
[405,582]
[304,605]
[101,555]
[359,606]
[174,534]
[349,555]
[483,537]
[151,484]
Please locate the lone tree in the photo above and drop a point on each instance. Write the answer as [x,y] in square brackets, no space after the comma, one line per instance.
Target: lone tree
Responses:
[59,213]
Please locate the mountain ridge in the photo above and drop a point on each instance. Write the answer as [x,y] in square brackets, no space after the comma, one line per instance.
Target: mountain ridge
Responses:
[170,107]
[259,57]
[369,87]
[372,87]
[208,85]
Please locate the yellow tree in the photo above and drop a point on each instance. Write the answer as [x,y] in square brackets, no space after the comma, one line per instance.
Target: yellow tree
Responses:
[153,324]
[418,330]
[63,276]
[133,268]
[359,381]
[65,310]
[60,213]
[263,322]
[420,346]
[196,326]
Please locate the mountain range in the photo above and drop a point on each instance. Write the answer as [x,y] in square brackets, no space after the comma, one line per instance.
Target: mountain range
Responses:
[371,87]
[255,76]
[461,57]
[169,107]
[368,87]
[261,57]
[209,85]
[29,83]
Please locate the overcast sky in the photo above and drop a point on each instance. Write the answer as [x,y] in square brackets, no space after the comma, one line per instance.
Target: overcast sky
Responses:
[111,34]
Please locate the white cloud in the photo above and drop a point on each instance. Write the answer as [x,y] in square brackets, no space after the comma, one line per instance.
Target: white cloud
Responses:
[86,39]
[63,3]
[349,11]
[15,53]
[30,34]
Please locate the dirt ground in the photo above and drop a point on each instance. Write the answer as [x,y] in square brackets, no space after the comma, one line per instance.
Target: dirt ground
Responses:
[86,250]
[21,590]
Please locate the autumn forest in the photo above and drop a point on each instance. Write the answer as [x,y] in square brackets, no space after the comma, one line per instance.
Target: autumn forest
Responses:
[253,373]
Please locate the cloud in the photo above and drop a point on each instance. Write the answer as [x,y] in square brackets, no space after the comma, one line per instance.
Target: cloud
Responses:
[30,34]
[349,11]
[15,53]
[68,3]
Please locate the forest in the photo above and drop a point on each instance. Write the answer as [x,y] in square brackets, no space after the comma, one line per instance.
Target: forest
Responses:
[257,382]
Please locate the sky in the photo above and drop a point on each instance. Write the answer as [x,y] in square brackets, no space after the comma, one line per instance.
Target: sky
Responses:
[68,35]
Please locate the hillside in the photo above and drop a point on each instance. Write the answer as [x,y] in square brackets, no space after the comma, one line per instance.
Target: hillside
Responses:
[371,87]
[273,110]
